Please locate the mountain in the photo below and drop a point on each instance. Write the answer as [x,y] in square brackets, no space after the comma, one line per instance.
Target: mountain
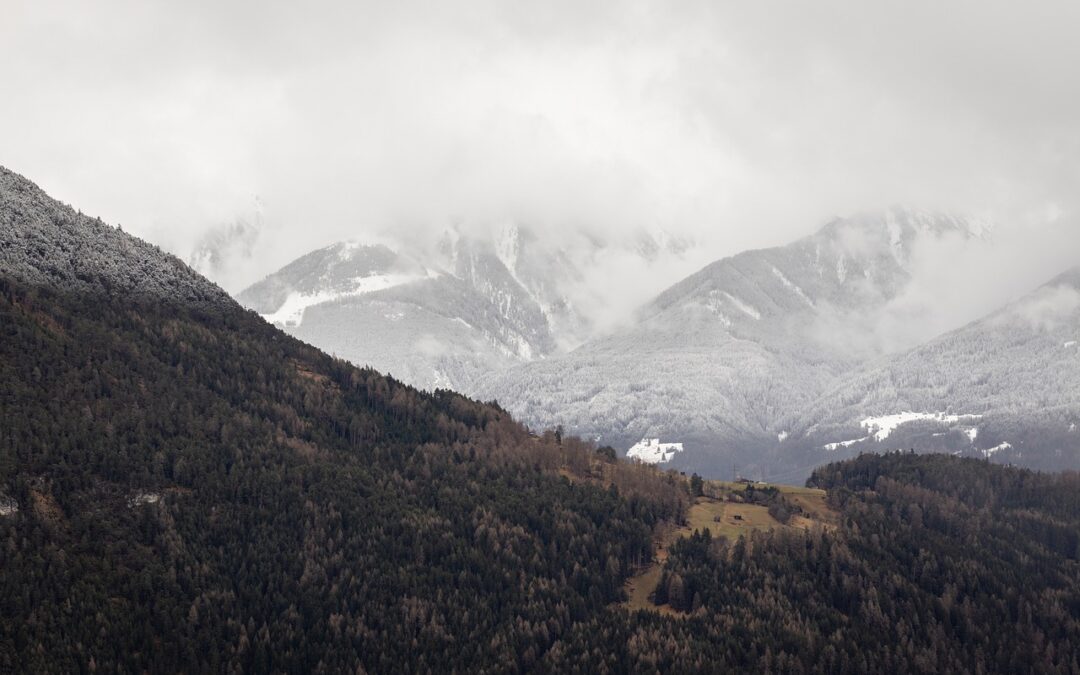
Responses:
[1006,386]
[439,316]
[45,243]
[431,325]
[718,361]
[935,564]
[185,488]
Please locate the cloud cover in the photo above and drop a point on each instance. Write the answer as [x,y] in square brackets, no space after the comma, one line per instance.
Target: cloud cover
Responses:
[737,124]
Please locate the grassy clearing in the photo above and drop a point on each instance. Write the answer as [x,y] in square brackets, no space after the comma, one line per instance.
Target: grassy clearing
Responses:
[726,519]
[640,587]
[703,516]
[728,486]
[816,508]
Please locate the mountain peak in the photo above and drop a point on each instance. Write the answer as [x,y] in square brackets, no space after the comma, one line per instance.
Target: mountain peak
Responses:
[901,227]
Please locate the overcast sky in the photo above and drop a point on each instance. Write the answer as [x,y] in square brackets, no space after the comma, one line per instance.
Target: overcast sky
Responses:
[741,124]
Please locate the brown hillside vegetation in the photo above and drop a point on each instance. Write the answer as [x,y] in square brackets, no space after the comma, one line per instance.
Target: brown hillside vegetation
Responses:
[726,510]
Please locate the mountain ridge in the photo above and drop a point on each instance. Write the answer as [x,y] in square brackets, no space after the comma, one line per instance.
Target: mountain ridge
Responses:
[1016,369]
[184,487]
[44,241]
[718,360]
[184,490]
[469,304]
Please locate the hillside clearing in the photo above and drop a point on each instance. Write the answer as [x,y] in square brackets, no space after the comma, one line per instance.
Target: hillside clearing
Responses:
[721,512]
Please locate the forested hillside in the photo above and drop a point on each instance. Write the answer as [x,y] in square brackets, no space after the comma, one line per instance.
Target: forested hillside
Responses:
[938,564]
[186,488]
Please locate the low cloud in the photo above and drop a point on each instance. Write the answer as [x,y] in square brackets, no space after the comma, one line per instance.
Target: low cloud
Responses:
[736,125]
[956,280]
[1050,307]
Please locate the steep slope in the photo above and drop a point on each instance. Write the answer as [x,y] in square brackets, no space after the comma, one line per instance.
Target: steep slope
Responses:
[184,488]
[1006,386]
[719,360]
[442,314]
[43,242]
[433,325]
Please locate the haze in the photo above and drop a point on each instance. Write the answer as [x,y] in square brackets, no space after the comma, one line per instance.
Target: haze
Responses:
[736,125]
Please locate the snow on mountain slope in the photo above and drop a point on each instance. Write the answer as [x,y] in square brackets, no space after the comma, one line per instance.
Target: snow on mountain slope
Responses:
[43,241]
[331,271]
[435,314]
[291,312]
[1012,374]
[721,358]
[652,451]
[430,326]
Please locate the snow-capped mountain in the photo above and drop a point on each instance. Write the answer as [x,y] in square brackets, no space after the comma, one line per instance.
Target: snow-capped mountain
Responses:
[775,360]
[424,325]
[721,359]
[442,315]
[44,242]
[1006,386]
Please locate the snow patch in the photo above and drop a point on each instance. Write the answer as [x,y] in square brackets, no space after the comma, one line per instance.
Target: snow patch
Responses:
[652,451]
[880,428]
[140,498]
[831,447]
[794,288]
[990,452]
[883,427]
[715,305]
[8,506]
[745,307]
[291,312]
[782,436]
[1070,344]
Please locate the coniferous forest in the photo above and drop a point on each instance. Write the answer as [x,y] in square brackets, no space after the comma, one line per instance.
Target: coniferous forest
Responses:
[198,492]
[184,488]
[938,564]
